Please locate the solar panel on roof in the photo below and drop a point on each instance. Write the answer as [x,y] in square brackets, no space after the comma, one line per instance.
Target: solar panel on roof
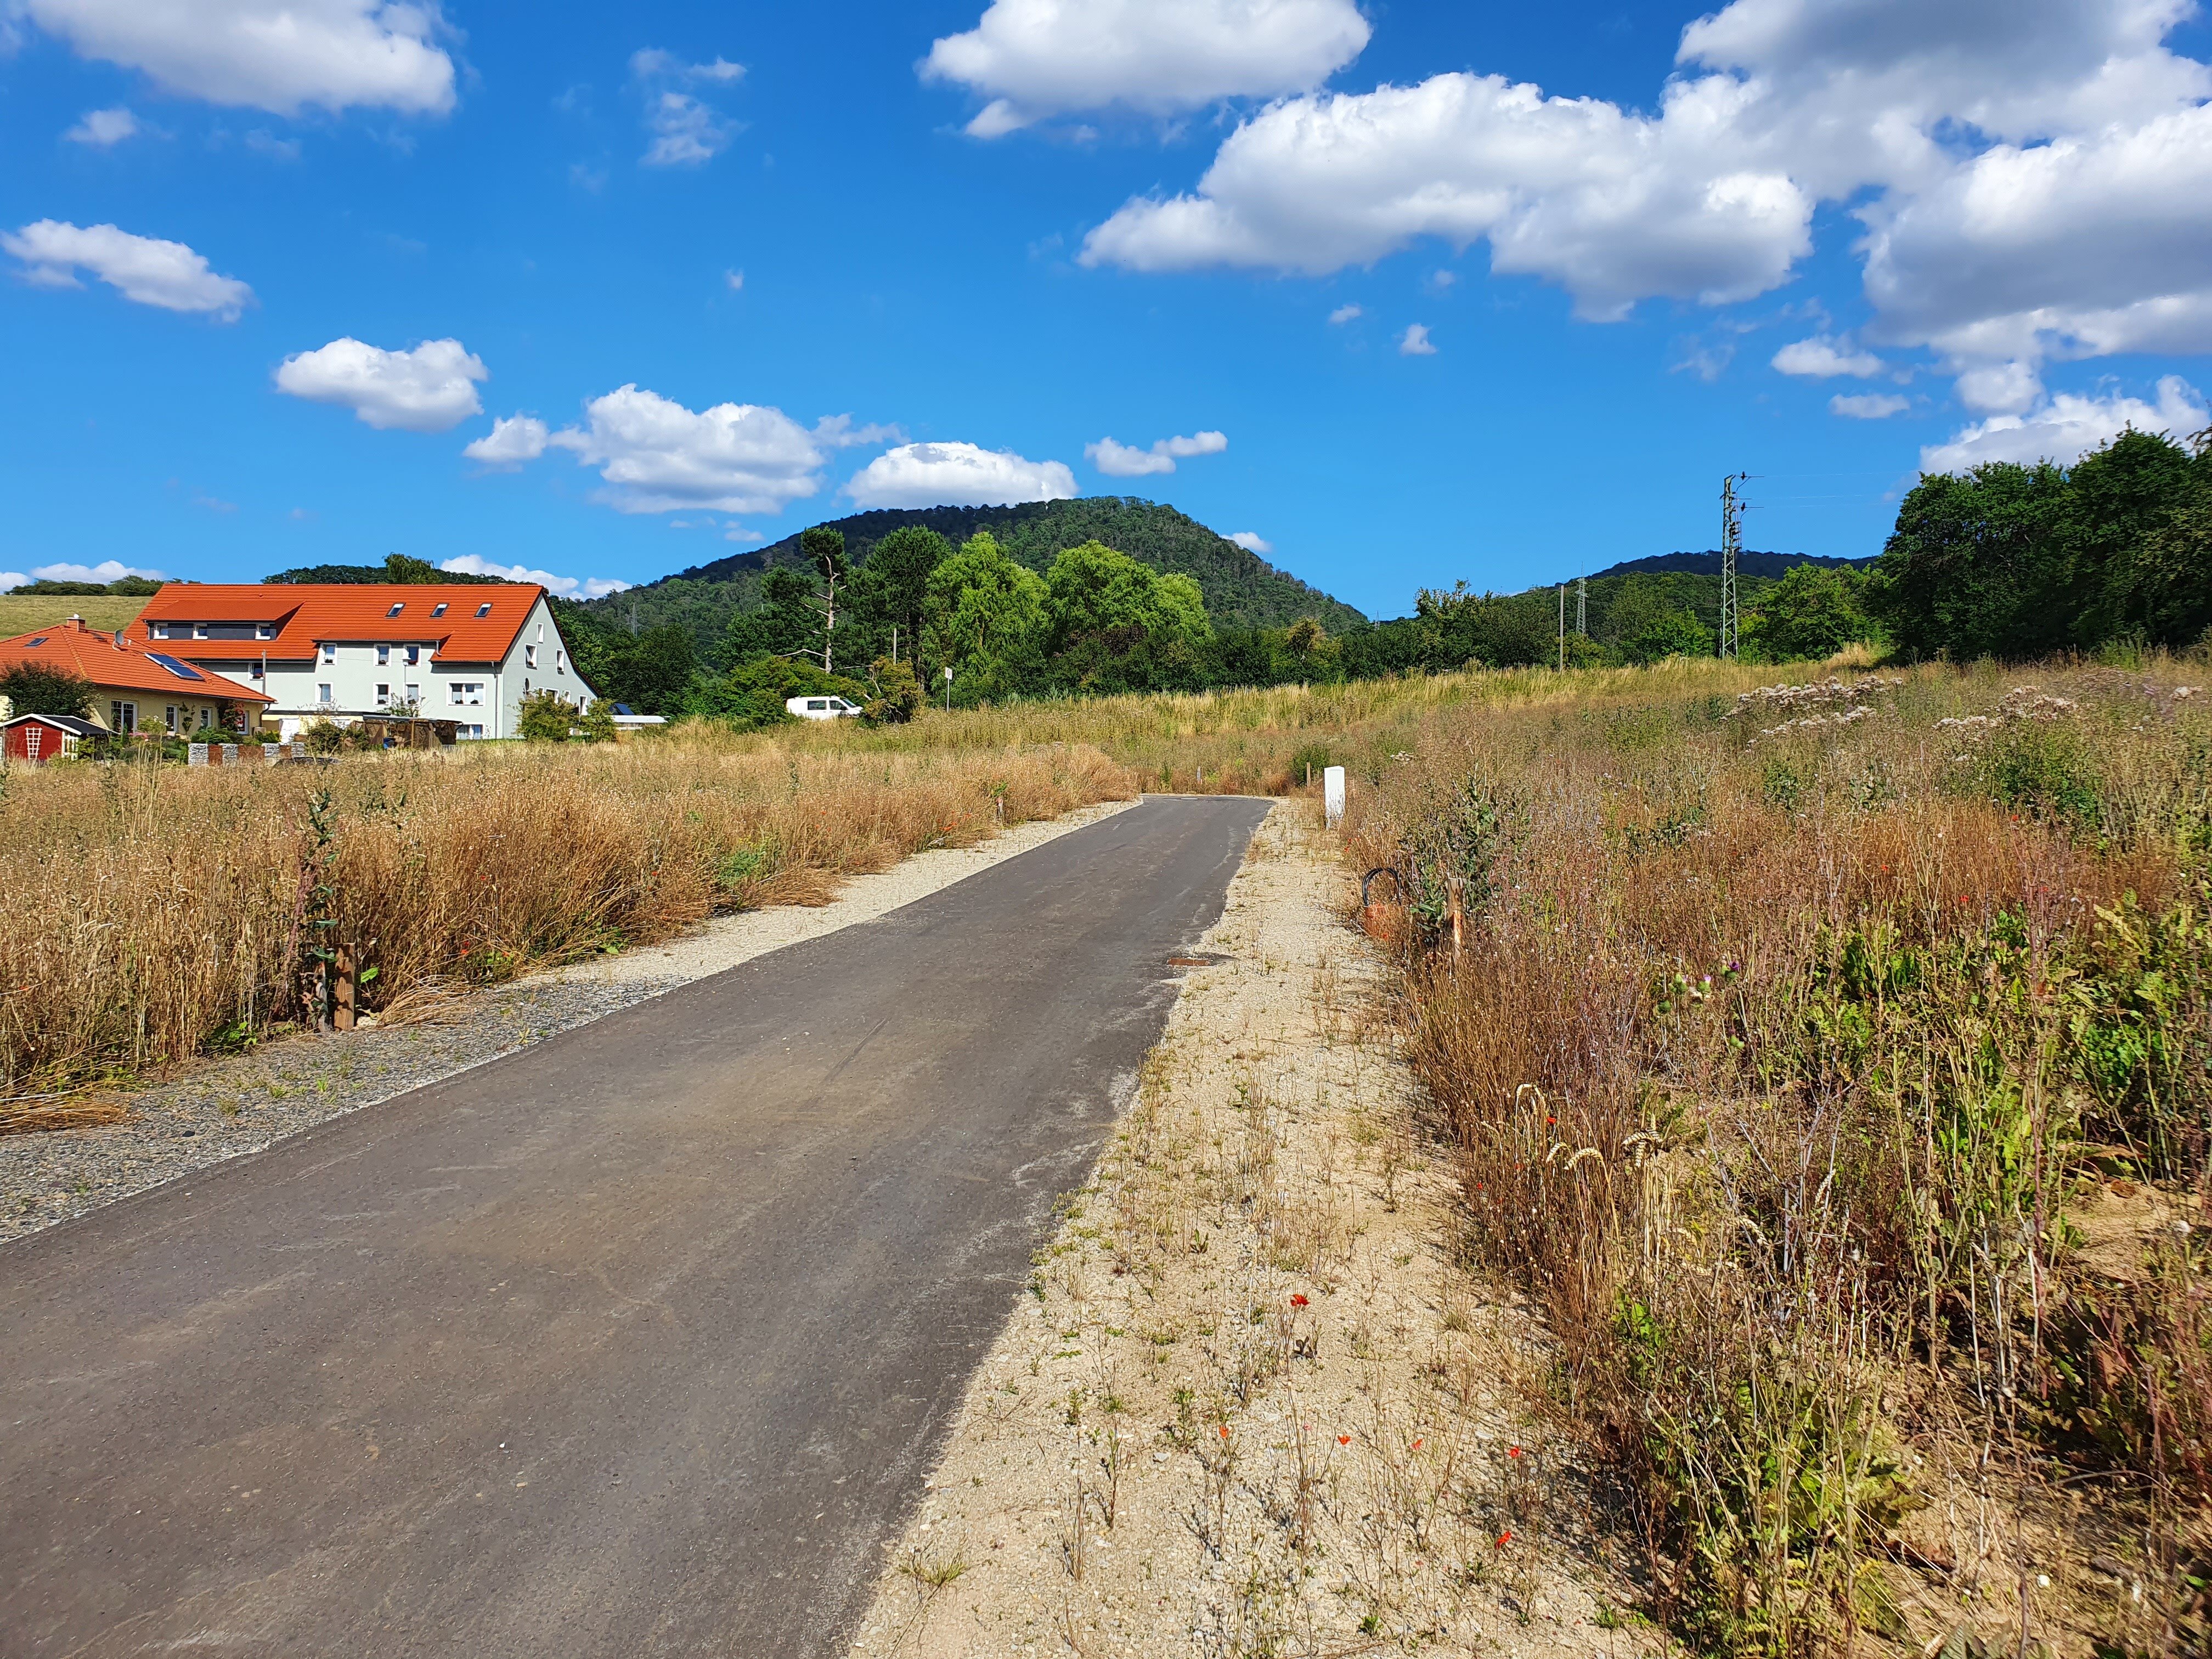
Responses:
[182,671]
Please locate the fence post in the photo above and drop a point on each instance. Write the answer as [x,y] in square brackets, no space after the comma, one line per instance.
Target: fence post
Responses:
[342,1013]
[1332,796]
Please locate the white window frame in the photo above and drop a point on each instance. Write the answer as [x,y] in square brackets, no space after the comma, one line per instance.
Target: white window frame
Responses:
[329,652]
[383,655]
[323,694]
[530,656]
[382,694]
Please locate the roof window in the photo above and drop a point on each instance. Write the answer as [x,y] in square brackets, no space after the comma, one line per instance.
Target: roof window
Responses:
[397,609]
[439,608]
[485,610]
[27,644]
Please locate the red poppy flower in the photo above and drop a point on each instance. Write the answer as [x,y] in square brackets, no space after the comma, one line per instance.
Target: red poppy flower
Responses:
[1225,1431]
[1513,1451]
[1417,1445]
[1504,1539]
[1298,1300]
[1344,1440]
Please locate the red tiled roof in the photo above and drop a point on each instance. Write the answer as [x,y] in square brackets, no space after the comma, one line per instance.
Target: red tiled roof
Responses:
[128,667]
[306,614]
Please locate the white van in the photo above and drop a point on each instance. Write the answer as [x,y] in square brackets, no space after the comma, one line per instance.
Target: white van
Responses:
[821,708]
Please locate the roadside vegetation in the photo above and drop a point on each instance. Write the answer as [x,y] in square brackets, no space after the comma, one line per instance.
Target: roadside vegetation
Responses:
[1832,1065]
[165,913]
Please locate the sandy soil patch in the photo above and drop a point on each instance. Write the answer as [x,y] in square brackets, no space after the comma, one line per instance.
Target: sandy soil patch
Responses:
[225,1109]
[1248,1405]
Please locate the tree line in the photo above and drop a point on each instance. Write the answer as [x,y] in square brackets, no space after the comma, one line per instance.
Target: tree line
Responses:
[884,631]
[2013,561]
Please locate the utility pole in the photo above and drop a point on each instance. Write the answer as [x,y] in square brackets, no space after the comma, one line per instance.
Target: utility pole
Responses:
[1563,627]
[1581,606]
[1731,546]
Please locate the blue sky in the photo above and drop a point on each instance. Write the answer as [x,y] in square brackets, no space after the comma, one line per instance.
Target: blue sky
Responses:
[311,267]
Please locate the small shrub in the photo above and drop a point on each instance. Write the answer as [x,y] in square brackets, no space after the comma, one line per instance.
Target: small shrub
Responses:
[546,718]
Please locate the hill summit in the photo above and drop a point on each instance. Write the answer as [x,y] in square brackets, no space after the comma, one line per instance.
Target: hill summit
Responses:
[1242,589]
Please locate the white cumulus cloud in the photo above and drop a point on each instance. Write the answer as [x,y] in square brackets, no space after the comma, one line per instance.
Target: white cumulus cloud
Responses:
[276,55]
[1344,314]
[1251,540]
[2067,426]
[568,587]
[1414,342]
[107,570]
[101,128]
[656,456]
[2033,178]
[512,439]
[1869,406]
[429,388]
[957,475]
[142,268]
[1118,460]
[1033,59]
[1822,359]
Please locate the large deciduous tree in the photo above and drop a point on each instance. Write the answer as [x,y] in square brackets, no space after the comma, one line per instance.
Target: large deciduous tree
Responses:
[985,618]
[34,688]
[1812,613]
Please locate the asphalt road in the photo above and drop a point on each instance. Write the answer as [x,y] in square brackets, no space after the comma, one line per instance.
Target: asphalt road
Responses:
[636,1342]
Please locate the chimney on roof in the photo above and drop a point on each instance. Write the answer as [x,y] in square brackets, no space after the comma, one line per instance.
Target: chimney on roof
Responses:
[75,622]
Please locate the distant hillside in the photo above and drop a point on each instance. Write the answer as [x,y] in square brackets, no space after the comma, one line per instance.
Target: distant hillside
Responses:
[21,612]
[1242,589]
[1771,566]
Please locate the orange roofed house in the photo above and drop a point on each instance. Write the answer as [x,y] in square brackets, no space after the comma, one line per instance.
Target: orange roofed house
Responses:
[468,653]
[135,688]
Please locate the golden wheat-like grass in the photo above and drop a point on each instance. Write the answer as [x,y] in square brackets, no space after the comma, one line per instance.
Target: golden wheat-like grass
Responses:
[157,909]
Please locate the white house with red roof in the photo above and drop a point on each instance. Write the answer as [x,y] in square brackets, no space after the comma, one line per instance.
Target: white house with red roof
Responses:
[137,687]
[465,652]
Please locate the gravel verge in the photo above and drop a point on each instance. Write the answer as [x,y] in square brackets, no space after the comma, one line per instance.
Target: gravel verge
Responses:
[227,1108]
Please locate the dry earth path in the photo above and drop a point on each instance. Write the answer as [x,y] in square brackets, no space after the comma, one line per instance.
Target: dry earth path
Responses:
[1254,1403]
[636,1340]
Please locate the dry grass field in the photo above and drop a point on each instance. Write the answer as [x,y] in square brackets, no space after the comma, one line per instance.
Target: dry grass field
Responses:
[1832,1065]
[179,911]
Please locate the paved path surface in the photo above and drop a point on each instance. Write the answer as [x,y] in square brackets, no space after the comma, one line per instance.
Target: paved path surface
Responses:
[637,1341]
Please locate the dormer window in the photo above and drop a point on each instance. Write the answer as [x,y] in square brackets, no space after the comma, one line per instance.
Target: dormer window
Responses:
[485,610]
[265,631]
[439,608]
[397,609]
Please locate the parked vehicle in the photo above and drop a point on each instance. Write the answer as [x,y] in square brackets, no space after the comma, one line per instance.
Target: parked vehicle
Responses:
[821,708]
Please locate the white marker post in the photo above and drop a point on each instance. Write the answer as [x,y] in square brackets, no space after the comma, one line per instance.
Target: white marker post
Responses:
[1332,796]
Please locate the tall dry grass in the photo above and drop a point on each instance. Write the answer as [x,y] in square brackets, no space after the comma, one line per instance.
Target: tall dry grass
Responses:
[157,912]
[1792,1042]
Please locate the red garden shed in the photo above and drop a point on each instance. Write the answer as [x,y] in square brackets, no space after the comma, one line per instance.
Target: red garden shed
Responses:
[40,737]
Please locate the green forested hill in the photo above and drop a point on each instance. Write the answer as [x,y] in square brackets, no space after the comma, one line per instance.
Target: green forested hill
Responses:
[1241,590]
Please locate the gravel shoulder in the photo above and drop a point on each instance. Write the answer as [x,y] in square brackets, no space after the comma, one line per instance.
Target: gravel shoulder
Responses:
[227,1108]
[1250,1403]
